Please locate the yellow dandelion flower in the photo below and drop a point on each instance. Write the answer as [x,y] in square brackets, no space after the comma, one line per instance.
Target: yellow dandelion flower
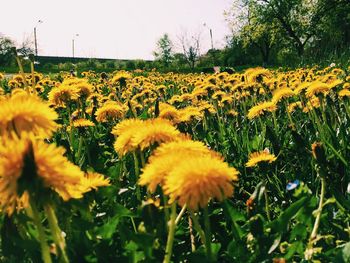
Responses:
[317,87]
[197,179]
[133,134]
[314,102]
[261,108]
[294,105]
[344,93]
[167,156]
[24,112]
[258,157]
[27,166]
[94,180]
[282,93]
[81,123]
[121,76]
[124,132]
[303,86]
[63,94]
[190,113]
[169,112]
[155,131]
[110,111]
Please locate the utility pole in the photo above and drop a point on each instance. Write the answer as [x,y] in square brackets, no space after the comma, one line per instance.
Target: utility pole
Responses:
[35,42]
[35,39]
[211,35]
[73,44]
[211,38]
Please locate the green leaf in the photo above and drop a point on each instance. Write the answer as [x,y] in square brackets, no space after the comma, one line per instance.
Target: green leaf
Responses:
[107,230]
[344,254]
[281,223]
[235,216]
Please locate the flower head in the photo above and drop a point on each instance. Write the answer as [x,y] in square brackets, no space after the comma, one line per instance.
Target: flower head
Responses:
[257,157]
[133,134]
[110,111]
[198,179]
[261,108]
[30,167]
[24,112]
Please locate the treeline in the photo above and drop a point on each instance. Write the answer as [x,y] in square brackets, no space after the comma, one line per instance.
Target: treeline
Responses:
[272,33]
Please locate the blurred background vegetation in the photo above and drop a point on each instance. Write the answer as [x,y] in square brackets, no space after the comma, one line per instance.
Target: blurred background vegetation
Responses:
[269,33]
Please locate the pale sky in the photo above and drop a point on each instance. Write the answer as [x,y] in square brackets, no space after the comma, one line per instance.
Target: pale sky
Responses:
[112,29]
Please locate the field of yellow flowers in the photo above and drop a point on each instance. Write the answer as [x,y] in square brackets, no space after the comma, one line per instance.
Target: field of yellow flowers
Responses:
[149,167]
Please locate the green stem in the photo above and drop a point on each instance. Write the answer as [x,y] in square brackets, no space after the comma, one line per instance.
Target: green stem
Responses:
[319,211]
[267,206]
[171,233]
[180,214]
[207,234]
[137,176]
[56,232]
[34,213]
[166,210]
[197,226]
[80,147]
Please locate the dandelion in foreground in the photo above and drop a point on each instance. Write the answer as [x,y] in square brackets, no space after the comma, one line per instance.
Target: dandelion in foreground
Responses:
[198,179]
[189,173]
[257,157]
[166,157]
[31,167]
[27,113]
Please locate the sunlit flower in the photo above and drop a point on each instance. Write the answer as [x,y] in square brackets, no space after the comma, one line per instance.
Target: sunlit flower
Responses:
[133,134]
[257,157]
[29,166]
[261,108]
[197,179]
[63,94]
[167,156]
[81,123]
[24,112]
[282,93]
[317,87]
[110,111]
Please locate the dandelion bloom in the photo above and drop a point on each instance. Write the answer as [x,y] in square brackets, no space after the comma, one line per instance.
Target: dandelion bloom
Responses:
[121,76]
[110,111]
[344,93]
[94,180]
[60,96]
[261,108]
[28,166]
[258,157]
[24,112]
[124,132]
[282,93]
[82,123]
[166,157]
[197,179]
[133,134]
[317,87]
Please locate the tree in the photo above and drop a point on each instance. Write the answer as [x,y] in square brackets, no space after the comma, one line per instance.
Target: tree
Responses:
[190,48]
[261,34]
[26,47]
[299,18]
[6,55]
[164,52]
